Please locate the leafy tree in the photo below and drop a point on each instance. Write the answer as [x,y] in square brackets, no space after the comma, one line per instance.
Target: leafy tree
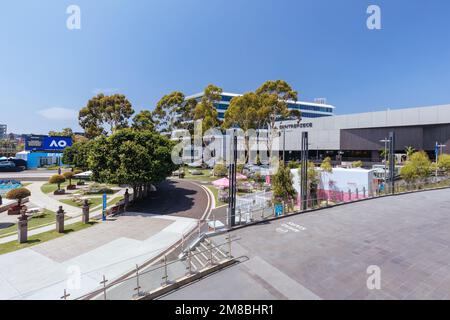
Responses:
[18,194]
[135,158]
[282,185]
[77,154]
[357,164]
[57,179]
[417,168]
[220,170]
[66,132]
[243,112]
[69,176]
[444,163]
[186,115]
[274,96]
[205,110]
[409,152]
[101,110]
[326,165]
[168,110]
[144,121]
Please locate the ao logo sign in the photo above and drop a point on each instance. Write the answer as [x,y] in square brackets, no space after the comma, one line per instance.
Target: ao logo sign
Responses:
[58,144]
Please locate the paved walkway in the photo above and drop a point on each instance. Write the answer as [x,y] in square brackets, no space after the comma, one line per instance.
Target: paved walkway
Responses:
[110,248]
[326,254]
[43,200]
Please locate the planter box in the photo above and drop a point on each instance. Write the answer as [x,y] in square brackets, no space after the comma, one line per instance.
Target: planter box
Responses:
[15,210]
[59,192]
[72,187]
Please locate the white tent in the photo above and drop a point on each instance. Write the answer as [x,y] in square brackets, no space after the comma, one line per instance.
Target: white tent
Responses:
[83,175]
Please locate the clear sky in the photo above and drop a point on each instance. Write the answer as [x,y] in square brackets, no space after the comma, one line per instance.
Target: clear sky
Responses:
[147,48]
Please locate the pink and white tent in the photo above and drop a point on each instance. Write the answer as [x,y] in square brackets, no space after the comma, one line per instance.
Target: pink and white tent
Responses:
[221,183]
[240,176]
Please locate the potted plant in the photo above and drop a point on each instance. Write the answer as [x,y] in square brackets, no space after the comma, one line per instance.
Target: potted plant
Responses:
[69,176]
[58,179]
[17,194]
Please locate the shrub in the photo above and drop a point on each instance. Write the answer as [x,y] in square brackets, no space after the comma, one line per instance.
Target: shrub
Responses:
[444,163]
[326,165]
[57,179]
[293,164]
[96,188]
[357,164]
[220,170]
[18,194]
[69,175]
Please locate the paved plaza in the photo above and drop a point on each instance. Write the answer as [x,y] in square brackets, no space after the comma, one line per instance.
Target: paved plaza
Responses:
[109,248]
[326,254]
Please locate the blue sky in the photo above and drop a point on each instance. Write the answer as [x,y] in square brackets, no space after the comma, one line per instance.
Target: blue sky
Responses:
[145,49]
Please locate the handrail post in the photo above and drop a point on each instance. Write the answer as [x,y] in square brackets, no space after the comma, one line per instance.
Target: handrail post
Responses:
[138,287]
[166,276]
[189,261]
[229,246]
[210,253]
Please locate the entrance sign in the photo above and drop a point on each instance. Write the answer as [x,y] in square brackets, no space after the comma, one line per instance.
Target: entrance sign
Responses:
[47,143]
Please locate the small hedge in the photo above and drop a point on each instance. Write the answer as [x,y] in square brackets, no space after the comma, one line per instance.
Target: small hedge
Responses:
[18,194]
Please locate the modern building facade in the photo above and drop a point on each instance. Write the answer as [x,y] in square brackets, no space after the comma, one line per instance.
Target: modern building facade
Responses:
[3,131]
[358,136]
[316,109]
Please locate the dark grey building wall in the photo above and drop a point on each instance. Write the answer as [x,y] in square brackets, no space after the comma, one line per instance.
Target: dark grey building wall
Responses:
[419,137]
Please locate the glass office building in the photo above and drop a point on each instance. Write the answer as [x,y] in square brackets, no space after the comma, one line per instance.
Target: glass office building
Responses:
[3,129]
[308,109]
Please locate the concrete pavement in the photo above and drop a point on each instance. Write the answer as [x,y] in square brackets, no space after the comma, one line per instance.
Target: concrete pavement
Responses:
[78,261]
[326,254]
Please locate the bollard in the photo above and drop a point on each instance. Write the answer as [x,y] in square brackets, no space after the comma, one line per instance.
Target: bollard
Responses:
[60,220]
[349,195]
[22,231]
[85,216]
[364,192]
[357,194]
[342,195]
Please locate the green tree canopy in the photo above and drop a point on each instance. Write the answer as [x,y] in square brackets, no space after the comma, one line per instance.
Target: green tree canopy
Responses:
[205,110]
[101,110]
[66,132]
[274,96]
[77,155]
[167,111]
[326,165]
[136,158]
[243,112]
[143,121]
[282,185]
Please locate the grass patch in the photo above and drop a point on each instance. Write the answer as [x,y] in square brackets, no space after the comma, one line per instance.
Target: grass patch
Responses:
[46,218]
[93,202]
[42,237]
[114,201]
[50,188]
[215,192]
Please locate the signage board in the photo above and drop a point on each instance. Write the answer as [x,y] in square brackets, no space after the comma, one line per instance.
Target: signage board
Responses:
[47,143]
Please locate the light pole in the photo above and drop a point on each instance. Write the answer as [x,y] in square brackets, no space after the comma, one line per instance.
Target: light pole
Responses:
[386,141]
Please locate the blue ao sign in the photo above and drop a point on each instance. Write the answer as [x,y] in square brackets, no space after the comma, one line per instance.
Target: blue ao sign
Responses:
[47,143]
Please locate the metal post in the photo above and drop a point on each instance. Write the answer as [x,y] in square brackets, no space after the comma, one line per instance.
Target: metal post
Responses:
[210,253]
[104,286]
[304,172]
[166,276]
[349,195]
[138,287]
[66,295]
[357,194]
[199,228]
[232,187]
[229,246]
[364,192]
[189,261]
[392,160]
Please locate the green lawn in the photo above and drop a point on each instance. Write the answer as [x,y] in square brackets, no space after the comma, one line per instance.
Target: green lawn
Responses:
[42,237]
[114,201]
[50,188]
[93,202]
[216,196]
[47,218]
